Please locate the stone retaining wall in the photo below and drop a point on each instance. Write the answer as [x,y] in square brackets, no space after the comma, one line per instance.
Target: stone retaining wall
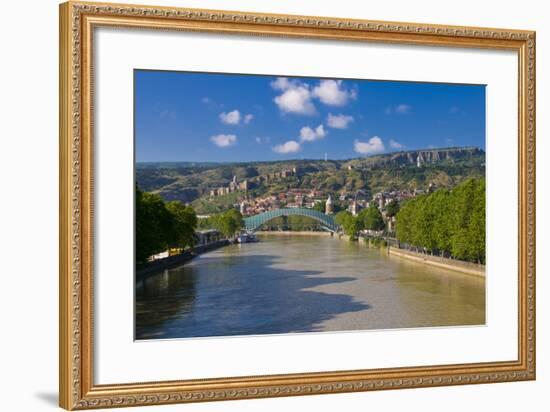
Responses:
[450,264]
[176,260]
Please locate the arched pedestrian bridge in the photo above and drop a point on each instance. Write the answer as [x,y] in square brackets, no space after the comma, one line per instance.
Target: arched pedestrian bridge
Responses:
[253,223]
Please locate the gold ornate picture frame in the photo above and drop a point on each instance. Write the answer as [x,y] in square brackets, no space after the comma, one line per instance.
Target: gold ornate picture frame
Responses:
[78,20]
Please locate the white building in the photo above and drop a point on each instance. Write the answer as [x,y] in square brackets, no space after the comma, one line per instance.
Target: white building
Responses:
[328,206]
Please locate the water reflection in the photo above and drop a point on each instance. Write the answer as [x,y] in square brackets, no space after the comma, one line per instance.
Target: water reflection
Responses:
[302,284]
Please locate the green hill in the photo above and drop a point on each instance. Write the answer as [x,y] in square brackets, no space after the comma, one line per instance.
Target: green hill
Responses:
[406,170]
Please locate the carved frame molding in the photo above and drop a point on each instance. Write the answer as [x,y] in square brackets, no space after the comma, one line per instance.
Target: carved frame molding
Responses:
[77,21]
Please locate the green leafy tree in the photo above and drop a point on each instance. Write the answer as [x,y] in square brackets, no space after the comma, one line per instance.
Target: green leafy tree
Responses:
[442,230]
[462,208]
[404,222]
[451,222]
[319,206]
[476,226]
[301,223]
[371,218]
[185,223]
[349,223]
[229,222]
[392,208]
[154,226]
[424,224]
[337,207]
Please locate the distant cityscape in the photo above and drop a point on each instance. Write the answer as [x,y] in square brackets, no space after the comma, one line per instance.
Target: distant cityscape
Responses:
[308,198]
[354,201]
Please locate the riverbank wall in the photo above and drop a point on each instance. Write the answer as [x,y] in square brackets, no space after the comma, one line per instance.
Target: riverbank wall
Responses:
[176,260]
[445,263]
[291,233]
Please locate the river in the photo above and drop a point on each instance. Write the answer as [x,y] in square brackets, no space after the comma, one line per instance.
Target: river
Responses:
[290,284]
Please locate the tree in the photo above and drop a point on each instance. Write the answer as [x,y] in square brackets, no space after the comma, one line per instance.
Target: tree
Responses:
[404,222]
[461,209]
[319,206]
[371,218]
[476,227]
[154,226]
[450,222]
[185,223]
[301,223]
[424,218]
[337,207]
[229,222]
[442,230]
[350,224]
[392,208]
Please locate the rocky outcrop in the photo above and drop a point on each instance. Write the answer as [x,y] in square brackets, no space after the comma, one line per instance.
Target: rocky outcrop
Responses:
[420,157]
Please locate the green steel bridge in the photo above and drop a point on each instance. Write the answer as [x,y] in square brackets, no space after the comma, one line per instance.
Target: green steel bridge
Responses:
[327,222]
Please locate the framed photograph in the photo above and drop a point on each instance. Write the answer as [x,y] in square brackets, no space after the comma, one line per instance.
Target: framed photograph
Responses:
[257,205]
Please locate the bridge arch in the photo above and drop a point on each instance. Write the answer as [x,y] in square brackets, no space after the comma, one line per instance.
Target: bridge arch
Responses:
[252,223]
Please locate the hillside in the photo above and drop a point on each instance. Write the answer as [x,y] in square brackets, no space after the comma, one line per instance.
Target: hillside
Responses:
[405,170]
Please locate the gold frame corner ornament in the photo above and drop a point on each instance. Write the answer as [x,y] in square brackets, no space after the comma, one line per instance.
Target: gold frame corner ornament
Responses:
[76,387]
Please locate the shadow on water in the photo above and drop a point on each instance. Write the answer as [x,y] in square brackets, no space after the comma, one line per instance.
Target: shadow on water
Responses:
[236,295]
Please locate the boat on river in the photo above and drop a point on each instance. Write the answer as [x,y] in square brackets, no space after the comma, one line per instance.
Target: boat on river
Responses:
[247,238]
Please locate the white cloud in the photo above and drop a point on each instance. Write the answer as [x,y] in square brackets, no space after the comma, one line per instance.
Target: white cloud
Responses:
[297,96]
[289,147]
[258,140]
[224,140]
[248,118]
[281,83]
[333,92]
[373,146]
[399,109]
[233,117]
[339,121]
[296,99]
[403,108]
[307,134]
[396,145]
[205,100]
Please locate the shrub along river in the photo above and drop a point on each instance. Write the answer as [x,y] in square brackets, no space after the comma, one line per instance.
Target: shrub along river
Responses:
[289,284]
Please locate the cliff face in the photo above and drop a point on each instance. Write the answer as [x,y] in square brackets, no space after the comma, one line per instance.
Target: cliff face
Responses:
[420,157]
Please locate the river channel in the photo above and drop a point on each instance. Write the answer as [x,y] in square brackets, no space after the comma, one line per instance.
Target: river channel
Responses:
[292,284]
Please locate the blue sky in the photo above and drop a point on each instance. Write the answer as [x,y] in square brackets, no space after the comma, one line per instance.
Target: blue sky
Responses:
[181,116]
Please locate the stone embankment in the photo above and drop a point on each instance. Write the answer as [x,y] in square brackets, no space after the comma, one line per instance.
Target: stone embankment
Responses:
[445,263]
[176,260]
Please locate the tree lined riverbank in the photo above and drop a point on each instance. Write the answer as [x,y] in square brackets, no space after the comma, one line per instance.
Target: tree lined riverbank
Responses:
[448,223]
